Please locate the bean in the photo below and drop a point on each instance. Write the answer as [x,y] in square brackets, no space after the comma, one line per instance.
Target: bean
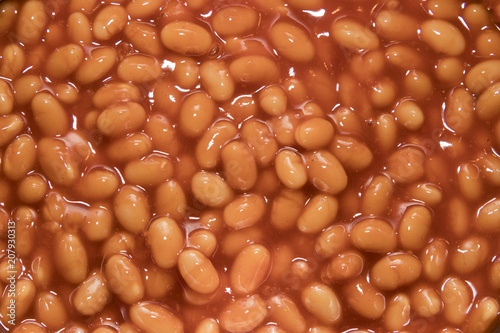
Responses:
[158,283]
[8,12]
[243,314]
[487,43]
[490,168]
[405,165]
[25,88]
[377,195]
[186,38]
[49,114]
[373,235]
[395,270]
[198,272]
[235,20]
[41,268]
[469,255]
[203,240]
[144,37]
[63,61]
[254,70]
[132,208]
[353,35]
[32,189]
[394,25]
[210,189]
[163,134]
[284,312]
[131,147]
[291,42]
[79,30]
[365,299]
[352,153]
[19,157]
[187,73]
[485,106]
[6,98]
[476,16]
[149,171]
[119,242]
[434,259]
[457,298]
[22,296]
[459,111]
[139,69]
[483,315]
[482,75]
[459,215]
[443,9]
[32,19]
[404,57]
[239,165]
[409,115]
[98,223]
[141,9]
[325,172]
[153,318]
[428,193]
[450,70]
[319,212]
[71,258]
[258,135]
[215,78]
[26,222]
[29,327]
[170,199]
[124,279]
[241,108]
[208,325]
[98,184]
[443,37]
[14,61]
[488,217]
[50,311]
[166,240]
[418,84]
[167,98]
[96,65]
[332,241]
[346,266]
[284,128]
[290,169]
[397,314]
[314,133]
[108,22]
[250,269]
[322,303]
[197,113]
[244,211]
[286,208]
[386,132]
[469,181]
[210,145]
[426,302]
[414,227]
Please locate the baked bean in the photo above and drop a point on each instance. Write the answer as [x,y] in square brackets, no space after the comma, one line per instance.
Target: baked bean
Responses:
[29,327]
[364,298]
[64,60]
[459,217]
[22,296]
[397,314]
[443,9]
[132,208]
[163,135]
[434,259]
[166,240]
[6,98]
[258,136]
[13,61]
[198,272]
[243,314]
[353,35]
[485,106]
[153,318]
[490,168]
[469,181]
[215,78]
[210,189]
[405,165]
[414,227]
[352,153]
[96,65]
[98,223]
[450,70]
[409,115]
[143,37]
[167,98]
[254,70]
[273,100]
[25,88]
[386,132]
[482,75]
[239,165]
[286,208]
[71,258]
[290,169]
[426,302]
[41,268]
[109,21]
[186,73]
[394,25]
[469,255]
[284,128]
[98,184]
[141,9]
[204,241]
[319,212]
[241,108]
[325,172]
[314,133]
[195,298]
[66,93]
[119,242]
[487,43]
[79,28]
[418,84]
[131,147]
[8,12]
[428,193]
[291,42]
[234,241]
[457,298]
[19,157]
[284,312]
[31,21]
[235,20]
[186,38]
[208,325]
[395,270]
[170,200]
[149,171]
[25,226]
[494,275]
[82,5]
[139,69]
[250,269]
[54,207]
[158,283]
[459,111]
[50,310]
[482,315]
[244,211]
[197,113]
[32,189]
[124,279]
[487,219]
[476,16]
[49,114]
[374,235]
[377,195]
[443,37]
[345,266]
[322,303]
[382,93]
[209,147]
[404,57]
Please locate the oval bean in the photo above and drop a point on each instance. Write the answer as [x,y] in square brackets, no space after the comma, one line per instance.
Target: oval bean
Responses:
[239,165]
[19,157]
[325,172]
[443,37]
[250,269]
[243,314]
[254,70]
[198,272]
[319,212]
[49,114]
[353,35]
[63,61]
[166,240]
[186,38]
[374,235]
[291,42]
[71,258]
[215,78]
[244,211]
[414,227]
[210,189]
[109,21]
[124,279]
[132,208]
[153,318]
[395,270]
[457,298]
[235,20]
[365,299]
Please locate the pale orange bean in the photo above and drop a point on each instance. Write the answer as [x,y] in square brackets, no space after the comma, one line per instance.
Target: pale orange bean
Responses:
[426,302]
[352,153]
[482,315]
[30,327]
[291,41]
[124,279]
[395,270]
[32,19]
[203,240]
[443,37]
[459,217]
[284,312]
[170,199]
[386,132]
[353,35]
[196,114]
[158,283]
[469,255]
[49,114]
[166,241]
[250,269]
[490,168]
[63,61]
[273,100]
[450,71]
[239,165]
[258,135]
[79,30]
[397,314]
[428,193]
[151,317]
[485,106]
[459,111]
[332,241]
[346,266]
[254,70]
[42,268]
[457,298]
[210,189]
[66,93]
[487,43]
[244,211]
[418,84]
[235,20]
[139,69]
[405,165]
[325,172]
[98,223]
[319,212]
[132,208]
[209,146]
[144,37]
[96,65]
[149,171]
[8,15]
[109,21]
[23,296]
[208,325]
[187,73]
[71,258]
[365,299]
[167,98]
[374,235]
[198,271]
[377,195]
[482,75]
[395,25]
[186,38]
[141,9]
[98,183]
[243,314]
[314,133]
[13,61]
[131,147]
[32,189]
[241,108]
[286,208]
[383,93]
[290,169]
[119,242]
[19,157]
[414,227]
[487,219]
[284,128]
[434,259]
[216,80]
[443,9]
[163,134]
[6,98]
[409,115]
[469,182]
[26,222]
[476,16]
[50,310]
